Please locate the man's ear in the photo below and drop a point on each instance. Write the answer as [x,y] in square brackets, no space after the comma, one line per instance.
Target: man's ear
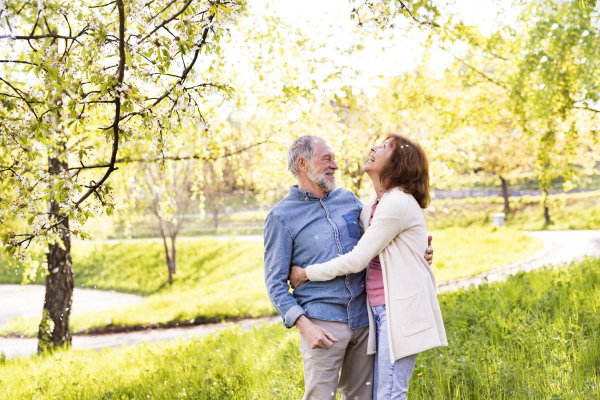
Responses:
[303,165]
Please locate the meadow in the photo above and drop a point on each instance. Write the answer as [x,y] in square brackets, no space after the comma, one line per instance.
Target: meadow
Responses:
[225,279]
[575,211]
[532,337]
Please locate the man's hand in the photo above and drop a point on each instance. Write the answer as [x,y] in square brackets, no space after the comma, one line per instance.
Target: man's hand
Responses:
[429,251]
[297,276]
[316,336]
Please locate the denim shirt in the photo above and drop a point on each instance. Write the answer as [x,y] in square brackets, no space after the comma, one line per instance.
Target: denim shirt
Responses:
[304,230]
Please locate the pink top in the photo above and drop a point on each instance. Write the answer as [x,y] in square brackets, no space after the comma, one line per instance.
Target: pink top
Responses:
[375,289]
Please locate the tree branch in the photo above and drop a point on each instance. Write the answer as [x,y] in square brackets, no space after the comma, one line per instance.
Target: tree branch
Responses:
[163,10]
[45,36]
[587,109]
[476,70]
[19,94]
[183,75]
[17,62]
[190,157]
[166,21]
[120,79]
[103,5]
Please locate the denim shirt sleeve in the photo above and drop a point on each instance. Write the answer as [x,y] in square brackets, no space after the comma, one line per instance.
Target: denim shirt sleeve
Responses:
[278,257]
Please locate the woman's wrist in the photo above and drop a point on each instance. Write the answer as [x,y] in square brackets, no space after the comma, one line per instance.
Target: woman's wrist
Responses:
[304,276]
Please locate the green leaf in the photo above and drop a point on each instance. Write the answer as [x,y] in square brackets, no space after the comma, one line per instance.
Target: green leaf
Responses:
[53,72]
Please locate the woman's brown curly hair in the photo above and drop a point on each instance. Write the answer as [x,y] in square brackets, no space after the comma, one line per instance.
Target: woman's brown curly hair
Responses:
[407,168]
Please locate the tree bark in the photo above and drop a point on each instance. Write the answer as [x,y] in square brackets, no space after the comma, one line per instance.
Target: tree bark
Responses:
[54,330]
[505,194]
[170,267]
[215,213]
[546,209]
[173,254]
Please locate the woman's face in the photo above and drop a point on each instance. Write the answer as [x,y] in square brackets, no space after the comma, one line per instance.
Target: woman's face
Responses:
[378,158]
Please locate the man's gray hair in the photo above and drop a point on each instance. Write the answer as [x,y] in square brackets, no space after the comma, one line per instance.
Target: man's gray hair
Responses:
[303,147]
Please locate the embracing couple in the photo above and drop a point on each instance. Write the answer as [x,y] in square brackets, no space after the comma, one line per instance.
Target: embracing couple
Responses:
[364,296]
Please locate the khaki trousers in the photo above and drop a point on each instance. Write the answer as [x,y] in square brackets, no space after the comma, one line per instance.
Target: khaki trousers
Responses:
[345,366]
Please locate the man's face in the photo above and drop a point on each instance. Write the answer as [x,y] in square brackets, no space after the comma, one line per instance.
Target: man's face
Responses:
[323,167]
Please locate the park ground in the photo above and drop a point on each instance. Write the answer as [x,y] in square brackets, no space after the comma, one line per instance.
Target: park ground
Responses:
[539,327]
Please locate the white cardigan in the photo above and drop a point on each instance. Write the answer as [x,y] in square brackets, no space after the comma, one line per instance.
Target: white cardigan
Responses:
[398,234]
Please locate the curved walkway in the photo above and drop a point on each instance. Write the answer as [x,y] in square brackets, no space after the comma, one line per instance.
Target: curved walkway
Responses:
[561,246]
[28,302]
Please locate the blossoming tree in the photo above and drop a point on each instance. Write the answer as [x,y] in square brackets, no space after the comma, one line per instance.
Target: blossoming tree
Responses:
[79,83]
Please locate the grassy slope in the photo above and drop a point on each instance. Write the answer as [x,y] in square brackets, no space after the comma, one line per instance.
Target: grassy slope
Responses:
[225,278]
[214,279]
[533,337]
[463,252]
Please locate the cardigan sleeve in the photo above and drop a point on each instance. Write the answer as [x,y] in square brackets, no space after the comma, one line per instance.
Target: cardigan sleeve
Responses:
[386,225]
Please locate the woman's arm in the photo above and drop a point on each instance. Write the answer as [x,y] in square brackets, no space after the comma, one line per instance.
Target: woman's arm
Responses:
[386,225]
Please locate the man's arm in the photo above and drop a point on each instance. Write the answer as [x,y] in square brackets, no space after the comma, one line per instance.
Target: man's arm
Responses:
[278,256]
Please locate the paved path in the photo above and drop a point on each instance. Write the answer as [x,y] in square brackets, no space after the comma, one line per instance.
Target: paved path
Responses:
[561,246]
[17,302]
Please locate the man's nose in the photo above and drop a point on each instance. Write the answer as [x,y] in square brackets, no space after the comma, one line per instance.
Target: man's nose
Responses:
[333,165]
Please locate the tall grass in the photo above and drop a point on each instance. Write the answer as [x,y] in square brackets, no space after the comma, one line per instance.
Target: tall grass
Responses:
[535,336]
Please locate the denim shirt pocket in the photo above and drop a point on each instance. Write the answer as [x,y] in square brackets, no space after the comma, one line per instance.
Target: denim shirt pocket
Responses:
[352,225]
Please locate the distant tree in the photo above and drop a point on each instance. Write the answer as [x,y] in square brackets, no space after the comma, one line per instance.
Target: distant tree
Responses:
[169,199]
[546,62]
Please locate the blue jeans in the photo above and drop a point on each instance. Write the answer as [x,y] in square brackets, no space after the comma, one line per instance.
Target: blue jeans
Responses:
[391,380]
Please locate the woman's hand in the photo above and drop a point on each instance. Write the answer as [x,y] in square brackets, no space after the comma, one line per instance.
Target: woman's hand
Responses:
[297,276]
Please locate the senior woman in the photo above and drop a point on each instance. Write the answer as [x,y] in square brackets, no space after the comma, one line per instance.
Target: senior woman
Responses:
[404,313]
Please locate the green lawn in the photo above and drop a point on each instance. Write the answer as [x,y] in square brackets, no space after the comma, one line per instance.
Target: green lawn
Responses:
[532,337]
[460,252]
[224,279]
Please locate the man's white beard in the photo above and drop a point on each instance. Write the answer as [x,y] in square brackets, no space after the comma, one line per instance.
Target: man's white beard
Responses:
[321,179]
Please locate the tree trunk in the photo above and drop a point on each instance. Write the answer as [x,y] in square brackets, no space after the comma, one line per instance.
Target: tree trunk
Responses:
[54,330]
[170,268]
[215,217]
[505,194]
[548,221]
[173,254]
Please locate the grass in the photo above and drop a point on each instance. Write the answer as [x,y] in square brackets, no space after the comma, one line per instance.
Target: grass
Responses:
[579,211]
[463,252]
[532,337]
[224,279]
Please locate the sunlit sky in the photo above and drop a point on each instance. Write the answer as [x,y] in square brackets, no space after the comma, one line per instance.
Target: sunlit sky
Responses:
[398,54]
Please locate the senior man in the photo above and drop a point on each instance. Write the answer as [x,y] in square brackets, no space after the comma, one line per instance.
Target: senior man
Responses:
[315,223]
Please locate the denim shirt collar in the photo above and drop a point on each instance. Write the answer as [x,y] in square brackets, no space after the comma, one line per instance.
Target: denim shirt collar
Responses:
[304,195]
